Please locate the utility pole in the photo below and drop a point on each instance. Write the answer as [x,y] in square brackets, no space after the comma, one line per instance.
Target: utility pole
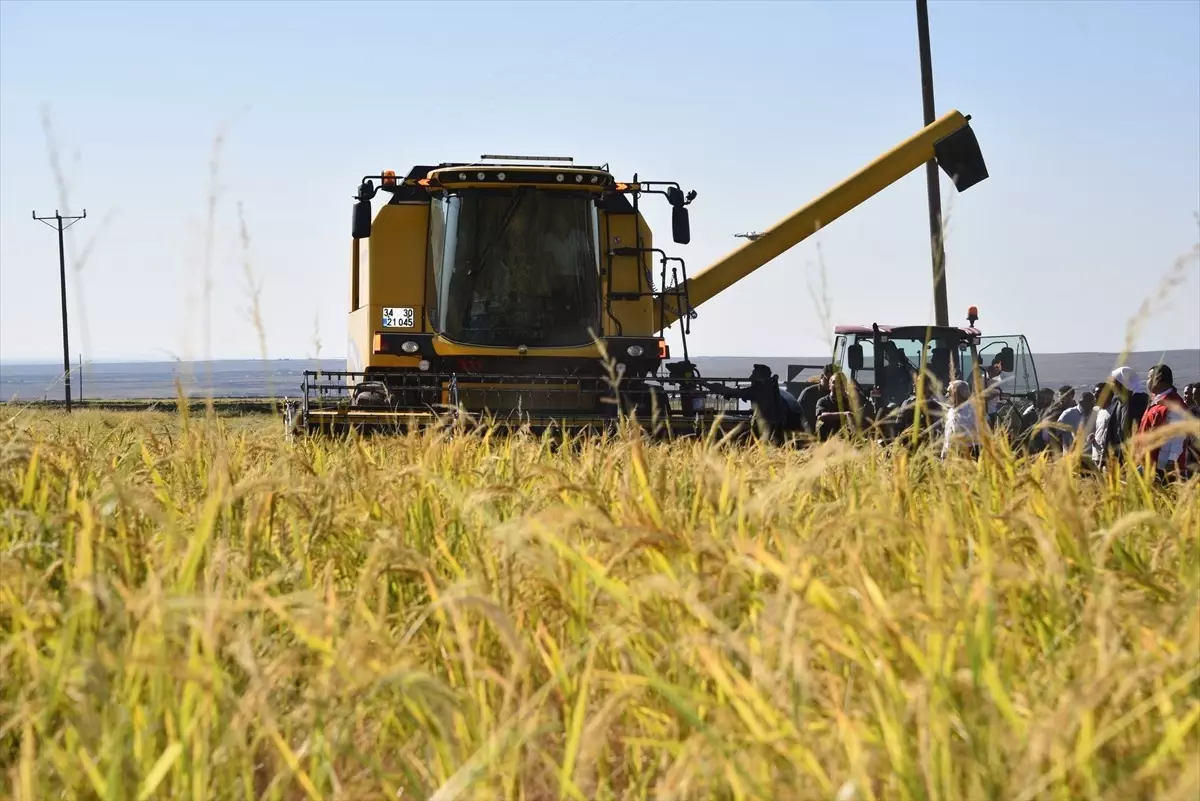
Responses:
[938,247]
[62,278]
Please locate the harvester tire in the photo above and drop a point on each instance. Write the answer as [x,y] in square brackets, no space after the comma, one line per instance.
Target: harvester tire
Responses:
[370,393]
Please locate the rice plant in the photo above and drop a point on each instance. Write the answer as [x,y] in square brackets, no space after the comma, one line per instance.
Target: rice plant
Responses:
[192,607]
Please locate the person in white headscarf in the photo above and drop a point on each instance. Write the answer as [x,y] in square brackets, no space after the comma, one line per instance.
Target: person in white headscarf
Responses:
[1130,401]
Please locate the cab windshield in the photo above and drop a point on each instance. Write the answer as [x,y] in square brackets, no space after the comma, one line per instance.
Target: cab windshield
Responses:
[515,267]
[901,360]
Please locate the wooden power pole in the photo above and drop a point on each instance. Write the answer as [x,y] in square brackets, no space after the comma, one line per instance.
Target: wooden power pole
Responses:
[937,245]
[58,223]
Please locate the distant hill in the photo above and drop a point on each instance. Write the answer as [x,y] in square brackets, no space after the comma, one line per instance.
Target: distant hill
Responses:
[237,378]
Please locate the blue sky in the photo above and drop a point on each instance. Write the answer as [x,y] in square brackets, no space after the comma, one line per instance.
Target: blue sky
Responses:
[1088,115]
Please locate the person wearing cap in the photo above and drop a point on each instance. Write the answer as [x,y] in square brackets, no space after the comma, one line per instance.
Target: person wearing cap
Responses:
[1166,409]
[1129,404]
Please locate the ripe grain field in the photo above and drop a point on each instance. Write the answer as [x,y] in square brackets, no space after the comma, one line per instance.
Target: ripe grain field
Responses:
[193,608]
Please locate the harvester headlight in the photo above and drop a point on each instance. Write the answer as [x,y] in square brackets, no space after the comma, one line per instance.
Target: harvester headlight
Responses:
[578,179]
[559,177]
[634,350]
[410,347]
[500,176]
[423,365]
[595,179]
[480,175]
[462,176]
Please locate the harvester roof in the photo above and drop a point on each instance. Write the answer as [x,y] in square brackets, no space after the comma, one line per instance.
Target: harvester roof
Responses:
[501,172]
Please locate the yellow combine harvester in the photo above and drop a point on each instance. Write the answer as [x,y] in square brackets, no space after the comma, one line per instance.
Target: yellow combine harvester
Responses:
[499,287]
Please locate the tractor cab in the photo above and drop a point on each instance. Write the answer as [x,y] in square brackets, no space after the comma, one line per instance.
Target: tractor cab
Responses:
[884,361]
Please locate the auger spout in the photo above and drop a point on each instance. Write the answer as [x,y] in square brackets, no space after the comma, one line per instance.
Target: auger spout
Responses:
[949,140]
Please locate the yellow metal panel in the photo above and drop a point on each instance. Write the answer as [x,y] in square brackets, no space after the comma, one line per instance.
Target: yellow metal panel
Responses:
[864,184]
[446,347]
[636,316]
[392,263]
[392,360]
[399,237]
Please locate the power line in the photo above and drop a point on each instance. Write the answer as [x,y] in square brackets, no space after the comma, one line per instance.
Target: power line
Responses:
[57,224]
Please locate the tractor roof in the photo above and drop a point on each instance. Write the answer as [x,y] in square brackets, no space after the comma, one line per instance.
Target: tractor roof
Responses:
[918,331]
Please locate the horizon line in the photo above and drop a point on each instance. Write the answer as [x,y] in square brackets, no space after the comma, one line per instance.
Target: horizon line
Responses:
[42,362]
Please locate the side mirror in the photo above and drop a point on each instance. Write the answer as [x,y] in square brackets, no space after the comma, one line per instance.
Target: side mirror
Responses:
[681,226]
[854,356]
[1008,360]
[674,195]
[361,228]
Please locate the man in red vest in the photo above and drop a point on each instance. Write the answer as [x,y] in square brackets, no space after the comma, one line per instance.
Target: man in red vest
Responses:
[1166,408]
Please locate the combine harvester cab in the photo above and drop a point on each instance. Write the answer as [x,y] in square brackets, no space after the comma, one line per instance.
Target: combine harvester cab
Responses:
[528,291]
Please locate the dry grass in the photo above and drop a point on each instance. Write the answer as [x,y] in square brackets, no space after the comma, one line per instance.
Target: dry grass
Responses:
[196,609]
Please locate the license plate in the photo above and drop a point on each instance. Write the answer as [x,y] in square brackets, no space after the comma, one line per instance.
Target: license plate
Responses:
[397,317]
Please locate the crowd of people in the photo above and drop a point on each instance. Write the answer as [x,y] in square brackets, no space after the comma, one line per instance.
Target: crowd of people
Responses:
[1119,419]
[1106,419]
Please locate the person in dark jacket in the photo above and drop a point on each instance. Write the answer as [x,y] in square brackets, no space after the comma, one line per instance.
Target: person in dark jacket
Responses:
[809,397]
[1034,435]
[842,408]
[771,411]
[1191,398]
[925,415]
[1130,401]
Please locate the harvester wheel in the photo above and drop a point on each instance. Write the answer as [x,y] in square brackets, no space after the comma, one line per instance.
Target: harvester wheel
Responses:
[370,393]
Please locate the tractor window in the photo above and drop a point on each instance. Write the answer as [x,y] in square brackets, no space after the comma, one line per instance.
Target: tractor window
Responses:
[1023,379]
[517,268]
[866,376]
[911,351]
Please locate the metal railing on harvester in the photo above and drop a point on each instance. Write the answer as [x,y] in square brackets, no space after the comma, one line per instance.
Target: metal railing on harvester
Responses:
[356,398]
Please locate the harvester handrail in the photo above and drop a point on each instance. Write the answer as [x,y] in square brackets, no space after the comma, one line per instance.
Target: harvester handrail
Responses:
[807,220]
